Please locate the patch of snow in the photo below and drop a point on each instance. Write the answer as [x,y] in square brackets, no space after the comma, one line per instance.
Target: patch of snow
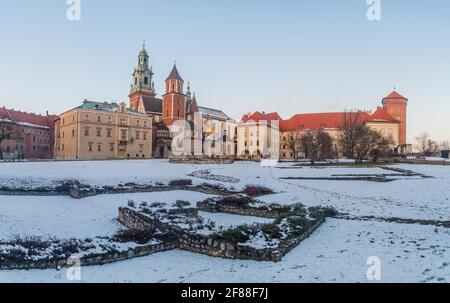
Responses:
[337,252]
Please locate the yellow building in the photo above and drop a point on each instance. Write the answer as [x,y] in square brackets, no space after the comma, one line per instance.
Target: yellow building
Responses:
[103,131]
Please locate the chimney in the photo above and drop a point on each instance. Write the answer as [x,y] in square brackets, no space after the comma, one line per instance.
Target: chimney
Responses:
[122,107]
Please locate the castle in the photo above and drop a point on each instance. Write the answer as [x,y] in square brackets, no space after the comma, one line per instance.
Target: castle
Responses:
[145,129]
[177,104]
[390,120]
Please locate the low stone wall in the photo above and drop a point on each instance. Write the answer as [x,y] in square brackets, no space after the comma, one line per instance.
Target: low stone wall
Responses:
[361,178]
[138,221]
[208,245]
[240,210]
[422,161]
[445,224]
[77,193]
[188,160]
[91,260]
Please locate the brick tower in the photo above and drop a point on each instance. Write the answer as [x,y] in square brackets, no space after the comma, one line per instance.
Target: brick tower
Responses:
[396,105]
[142,81]
[174,101]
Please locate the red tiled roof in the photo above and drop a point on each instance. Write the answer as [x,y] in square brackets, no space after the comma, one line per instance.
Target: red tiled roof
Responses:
[258,116]
[28,118]
[395,95]
[380,115]
[321,120]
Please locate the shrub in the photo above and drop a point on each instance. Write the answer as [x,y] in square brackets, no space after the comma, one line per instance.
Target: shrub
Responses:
[298,210]
[181,182]
[131,204]
[239,234]
[298,225]
[143,204]
[239,200]
[271,230]
[133,235]
[217,187]
[257,190]
[157,205]
[182,204]
[280,208]
[320,212]
[31,243]
[14,255]
[67,248]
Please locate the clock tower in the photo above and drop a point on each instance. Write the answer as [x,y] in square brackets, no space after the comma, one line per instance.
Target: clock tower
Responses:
[143,84]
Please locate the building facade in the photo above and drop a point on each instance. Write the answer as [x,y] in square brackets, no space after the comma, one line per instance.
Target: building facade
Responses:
[103,131]
[389,120]
[31,136]
[178,105]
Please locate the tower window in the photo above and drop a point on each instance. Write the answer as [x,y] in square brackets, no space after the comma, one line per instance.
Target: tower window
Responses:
[146,80]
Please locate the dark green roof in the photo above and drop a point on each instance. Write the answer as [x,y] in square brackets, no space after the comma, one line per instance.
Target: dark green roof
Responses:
[105,106]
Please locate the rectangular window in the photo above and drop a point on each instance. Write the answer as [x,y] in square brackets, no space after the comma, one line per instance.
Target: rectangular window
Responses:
[141,148]
[91,146]
[99,147]
[138,122]
[138,135]
[99,132]
[109,119]
[99,118]
[87,132]
[87,117]
[145,136]
[109,132]
[123,135]
[145,123]
[111,147]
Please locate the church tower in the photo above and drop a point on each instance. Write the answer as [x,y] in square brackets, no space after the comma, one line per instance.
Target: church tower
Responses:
[174,101]
[143,84]
[396,105]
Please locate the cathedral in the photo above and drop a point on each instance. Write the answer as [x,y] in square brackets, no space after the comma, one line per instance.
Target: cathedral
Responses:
[177,104]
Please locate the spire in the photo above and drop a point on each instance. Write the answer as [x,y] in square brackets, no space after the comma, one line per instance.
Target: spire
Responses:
[174,75]
[188,93]
[143,74]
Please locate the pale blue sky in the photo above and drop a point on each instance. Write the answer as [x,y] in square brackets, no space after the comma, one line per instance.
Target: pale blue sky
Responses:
[291,56]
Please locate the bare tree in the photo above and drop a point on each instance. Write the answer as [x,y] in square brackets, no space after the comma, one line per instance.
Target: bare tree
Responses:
[426,145]
[432,148]
[293,144]
[445,145]
[309,146]
[326,146]
[371,143]
[351,129]
[8,131]
[422,141]
[317,146]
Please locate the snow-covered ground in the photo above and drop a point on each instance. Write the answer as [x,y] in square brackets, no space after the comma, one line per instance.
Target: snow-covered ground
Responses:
[64,217]
[337,251]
